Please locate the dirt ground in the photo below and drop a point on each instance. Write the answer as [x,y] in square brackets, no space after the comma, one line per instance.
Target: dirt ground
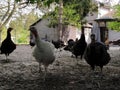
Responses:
[22,72]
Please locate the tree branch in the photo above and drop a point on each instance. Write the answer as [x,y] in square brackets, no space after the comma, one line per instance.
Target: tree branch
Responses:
[10,15]
[7,12]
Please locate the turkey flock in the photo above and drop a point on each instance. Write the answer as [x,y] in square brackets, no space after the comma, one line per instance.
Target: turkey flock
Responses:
[95,53]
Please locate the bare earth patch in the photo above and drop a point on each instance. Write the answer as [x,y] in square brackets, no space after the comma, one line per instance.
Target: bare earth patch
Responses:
[21,72]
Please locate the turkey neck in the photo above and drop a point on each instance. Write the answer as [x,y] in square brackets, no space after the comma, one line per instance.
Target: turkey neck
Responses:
[8,35]
[82,38]
[38,41]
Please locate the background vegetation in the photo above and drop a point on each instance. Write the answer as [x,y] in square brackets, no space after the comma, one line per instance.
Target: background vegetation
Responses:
[73,13]
[20,34]
[115,25]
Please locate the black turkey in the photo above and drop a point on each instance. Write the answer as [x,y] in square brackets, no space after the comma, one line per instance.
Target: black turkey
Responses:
[58,44]
[96,54]
[70,45]
[80,46]
[8,46]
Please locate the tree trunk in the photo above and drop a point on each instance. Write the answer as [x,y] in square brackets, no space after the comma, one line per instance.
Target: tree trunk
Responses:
[60,19]
[0,37]
[10,15]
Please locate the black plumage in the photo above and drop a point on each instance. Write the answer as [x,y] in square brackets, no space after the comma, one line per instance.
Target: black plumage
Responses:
[69,45]
[58,44]
[8,46]
[80,46]
[96,54]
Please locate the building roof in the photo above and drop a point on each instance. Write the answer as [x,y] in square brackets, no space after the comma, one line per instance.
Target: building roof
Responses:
[109,14]
[36,22]
[107,17]
[87,25]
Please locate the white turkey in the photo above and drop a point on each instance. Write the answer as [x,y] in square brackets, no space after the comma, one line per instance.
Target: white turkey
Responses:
[43,51]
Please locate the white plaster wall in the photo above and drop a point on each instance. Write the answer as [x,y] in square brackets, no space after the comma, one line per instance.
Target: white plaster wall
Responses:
[114,35]
[44,30]
[91,17]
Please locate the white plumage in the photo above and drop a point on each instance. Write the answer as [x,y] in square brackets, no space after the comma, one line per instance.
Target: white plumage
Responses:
[43,51]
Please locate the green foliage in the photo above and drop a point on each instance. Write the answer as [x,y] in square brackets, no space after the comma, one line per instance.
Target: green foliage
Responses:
[23,37]
[117,9]
[115,25]
[70,16]
[47,2]
[17,0]
[20,34]
[3,33]
[74,12]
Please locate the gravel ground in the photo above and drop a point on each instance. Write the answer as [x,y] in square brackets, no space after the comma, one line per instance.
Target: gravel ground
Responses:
[22,73]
